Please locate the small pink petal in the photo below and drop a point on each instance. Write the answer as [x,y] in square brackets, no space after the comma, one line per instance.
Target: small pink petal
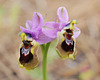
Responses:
[76,32]
[28,24]
[25,30]
[63,16]
[37,20]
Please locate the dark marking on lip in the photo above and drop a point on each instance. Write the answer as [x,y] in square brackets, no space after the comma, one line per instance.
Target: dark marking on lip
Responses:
[66,47]
[26,56]
[25,59]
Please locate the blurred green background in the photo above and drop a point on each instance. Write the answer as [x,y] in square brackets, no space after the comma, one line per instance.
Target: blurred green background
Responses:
[14,13]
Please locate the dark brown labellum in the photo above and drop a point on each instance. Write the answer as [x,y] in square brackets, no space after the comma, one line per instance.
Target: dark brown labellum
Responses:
[67,47]
[25,52]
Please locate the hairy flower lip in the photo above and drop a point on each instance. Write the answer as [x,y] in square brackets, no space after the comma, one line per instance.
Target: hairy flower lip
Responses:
[28,52]
[68,47]
[65,49]
[25,55]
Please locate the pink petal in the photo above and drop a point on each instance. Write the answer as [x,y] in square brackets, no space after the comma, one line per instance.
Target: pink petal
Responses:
[63,16]
[44,39]
[37,20]
[52,24]
[76,32]
[25,30]
[52,33]
[50,29]
[28,24]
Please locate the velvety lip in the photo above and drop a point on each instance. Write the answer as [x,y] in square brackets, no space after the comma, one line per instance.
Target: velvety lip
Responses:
[25,53]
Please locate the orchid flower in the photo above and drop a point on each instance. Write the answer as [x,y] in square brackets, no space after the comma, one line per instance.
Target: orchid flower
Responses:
[28,52]
[63,19]
[34,28]
[67,36]
[32,37]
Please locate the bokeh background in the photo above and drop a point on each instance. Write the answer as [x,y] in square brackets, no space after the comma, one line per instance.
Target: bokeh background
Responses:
[86,66]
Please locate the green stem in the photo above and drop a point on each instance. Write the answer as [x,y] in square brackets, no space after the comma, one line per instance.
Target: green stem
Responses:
[44,49]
